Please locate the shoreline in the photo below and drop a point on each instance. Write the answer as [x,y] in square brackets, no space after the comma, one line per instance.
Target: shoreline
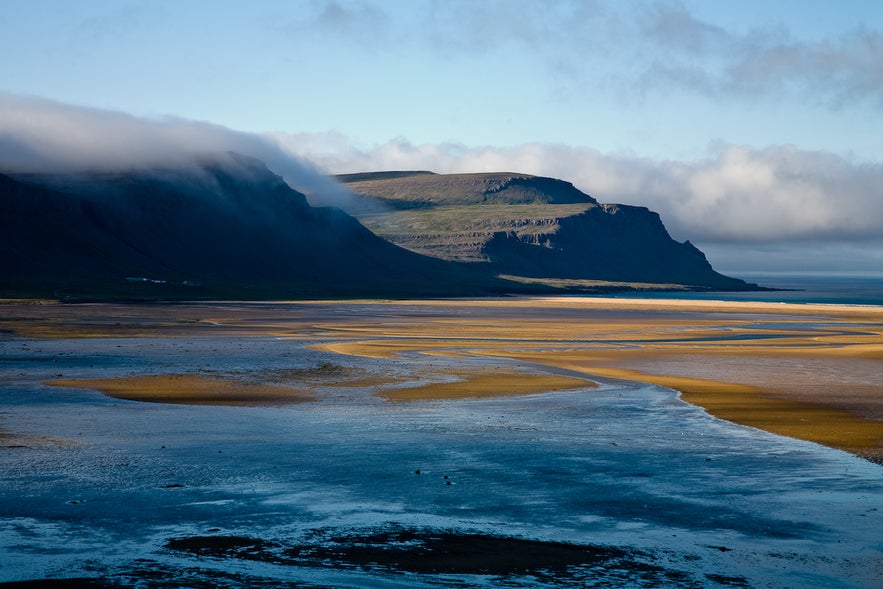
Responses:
[808,371]
[619,481]
[835,335]
[753,407]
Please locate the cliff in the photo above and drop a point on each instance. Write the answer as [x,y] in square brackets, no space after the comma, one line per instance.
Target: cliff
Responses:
[528,226]
[220,226]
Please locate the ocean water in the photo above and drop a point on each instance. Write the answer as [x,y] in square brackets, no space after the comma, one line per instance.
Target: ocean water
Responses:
[825,289]
[619,486]
[851,290]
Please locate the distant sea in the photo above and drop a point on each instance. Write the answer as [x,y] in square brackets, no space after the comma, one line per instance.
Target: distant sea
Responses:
[827,289]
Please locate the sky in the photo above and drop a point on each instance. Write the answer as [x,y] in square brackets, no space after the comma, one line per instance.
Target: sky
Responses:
[754,128]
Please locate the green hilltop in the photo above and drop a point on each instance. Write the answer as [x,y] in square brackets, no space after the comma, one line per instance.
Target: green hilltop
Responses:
[534,228]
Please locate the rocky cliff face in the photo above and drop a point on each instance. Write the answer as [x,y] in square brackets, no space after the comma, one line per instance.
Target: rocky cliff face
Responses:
[225,226]
[529,226]
[220,226]
[607,242]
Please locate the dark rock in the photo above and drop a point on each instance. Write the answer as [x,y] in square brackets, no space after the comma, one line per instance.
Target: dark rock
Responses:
[528,226]
[224,222]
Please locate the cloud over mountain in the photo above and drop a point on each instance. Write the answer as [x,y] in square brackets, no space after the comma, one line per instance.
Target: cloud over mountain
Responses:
[735,194]
[39,135]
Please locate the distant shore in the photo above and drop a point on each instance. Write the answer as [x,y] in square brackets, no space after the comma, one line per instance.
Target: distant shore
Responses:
[805,371]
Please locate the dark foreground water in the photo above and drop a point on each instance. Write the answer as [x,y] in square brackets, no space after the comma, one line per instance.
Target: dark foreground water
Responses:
[622,486]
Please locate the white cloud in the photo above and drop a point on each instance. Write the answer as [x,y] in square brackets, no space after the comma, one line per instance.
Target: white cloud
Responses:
[38,135]
[737,194]
[734,197]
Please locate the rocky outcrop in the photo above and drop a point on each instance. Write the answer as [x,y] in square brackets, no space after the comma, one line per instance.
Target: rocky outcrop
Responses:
[607,242]
[224,226]
[221,226]
[522,225]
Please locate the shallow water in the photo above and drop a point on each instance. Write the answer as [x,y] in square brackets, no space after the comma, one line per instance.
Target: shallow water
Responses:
[691,501]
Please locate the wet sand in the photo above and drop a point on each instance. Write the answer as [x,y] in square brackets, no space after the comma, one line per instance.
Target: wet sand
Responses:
[189,389]
[618,484]
[482,383]
[811,372]
[775,408]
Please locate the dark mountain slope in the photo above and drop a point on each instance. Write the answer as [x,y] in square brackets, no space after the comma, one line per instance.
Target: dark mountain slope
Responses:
[529,226]
[222,226]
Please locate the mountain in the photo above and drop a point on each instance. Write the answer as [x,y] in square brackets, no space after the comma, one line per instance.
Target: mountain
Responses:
[527,226]
[224,226]
[219,226]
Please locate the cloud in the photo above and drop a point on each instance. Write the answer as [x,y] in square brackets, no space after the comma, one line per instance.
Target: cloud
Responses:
[470,27]
[362,23]
[107,28]
[39,135]
[804,258]
[777,194]
[673,27]
[711,60]
[735,195]
[634,50]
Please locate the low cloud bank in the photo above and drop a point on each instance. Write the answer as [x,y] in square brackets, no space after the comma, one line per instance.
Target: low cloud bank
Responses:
[735,195]
[43,136]
[735,198]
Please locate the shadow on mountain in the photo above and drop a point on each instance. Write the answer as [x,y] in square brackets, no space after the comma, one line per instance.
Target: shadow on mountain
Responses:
[224,226]
[528,226]
[220,227]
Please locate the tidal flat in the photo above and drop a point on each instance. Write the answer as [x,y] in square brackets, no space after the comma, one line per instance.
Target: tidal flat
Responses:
[501,442]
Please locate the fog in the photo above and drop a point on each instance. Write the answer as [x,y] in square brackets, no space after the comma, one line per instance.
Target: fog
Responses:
[43,136]
[760,204]
[751,206]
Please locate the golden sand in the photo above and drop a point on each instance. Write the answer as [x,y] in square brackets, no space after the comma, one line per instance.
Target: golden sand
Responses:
[807,371]
[485,383]
[813,372]
[189,389]
[822,422]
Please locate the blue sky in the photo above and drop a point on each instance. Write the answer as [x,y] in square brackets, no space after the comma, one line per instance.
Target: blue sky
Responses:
[753,127]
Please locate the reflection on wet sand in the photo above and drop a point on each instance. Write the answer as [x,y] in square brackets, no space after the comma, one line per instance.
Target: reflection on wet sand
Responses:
[811,372]
[806,371]
[485,383]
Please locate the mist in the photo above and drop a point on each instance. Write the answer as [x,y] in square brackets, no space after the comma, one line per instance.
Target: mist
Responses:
[757,206]
[44,136]
[747,206]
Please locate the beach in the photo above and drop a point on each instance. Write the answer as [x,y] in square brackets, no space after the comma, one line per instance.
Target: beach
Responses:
[668,442]
[805,371]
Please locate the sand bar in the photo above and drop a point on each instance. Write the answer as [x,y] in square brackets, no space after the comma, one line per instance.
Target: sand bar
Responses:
[485,383]
[189,389]
[807,371]
[813,372]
